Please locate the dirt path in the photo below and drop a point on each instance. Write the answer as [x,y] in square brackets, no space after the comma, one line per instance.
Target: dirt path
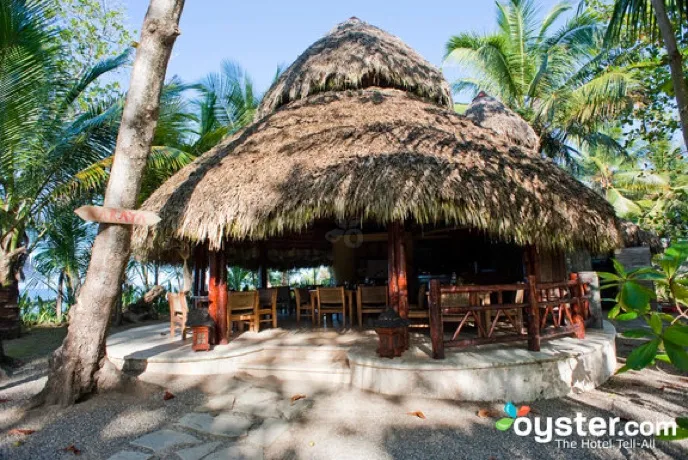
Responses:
[331,422]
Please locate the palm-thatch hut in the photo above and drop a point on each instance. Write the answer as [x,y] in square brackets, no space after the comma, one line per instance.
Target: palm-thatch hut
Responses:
[359,135]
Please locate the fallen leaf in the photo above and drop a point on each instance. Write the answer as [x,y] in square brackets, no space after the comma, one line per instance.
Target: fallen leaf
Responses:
[485,413]
[18,443]
[20,431]
[311,443]
[296,398]
[417,413]
[73,449]
[167,396]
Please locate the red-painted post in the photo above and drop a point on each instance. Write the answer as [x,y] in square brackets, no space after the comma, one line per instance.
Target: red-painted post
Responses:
[436,327]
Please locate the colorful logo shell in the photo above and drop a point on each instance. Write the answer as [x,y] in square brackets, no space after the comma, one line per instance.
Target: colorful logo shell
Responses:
[505,423]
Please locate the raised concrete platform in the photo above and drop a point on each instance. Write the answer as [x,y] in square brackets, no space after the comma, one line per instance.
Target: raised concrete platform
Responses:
[491,372]
[486,373]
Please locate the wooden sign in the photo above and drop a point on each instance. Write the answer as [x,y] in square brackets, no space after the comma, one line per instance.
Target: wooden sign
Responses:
[117,216]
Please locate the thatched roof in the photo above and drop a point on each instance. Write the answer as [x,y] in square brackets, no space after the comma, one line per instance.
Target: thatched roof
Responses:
[380,155]
[489,113]
[356,55]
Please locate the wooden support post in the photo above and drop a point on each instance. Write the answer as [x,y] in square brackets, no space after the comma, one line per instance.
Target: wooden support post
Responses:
[217,294]
[392,275]
[402,281]
[200,265]
[578,307]
[204,263]
[532,261]
[436,327]
[534,315]
[263,268]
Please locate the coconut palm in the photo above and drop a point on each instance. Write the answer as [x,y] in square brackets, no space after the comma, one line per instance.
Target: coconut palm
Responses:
[46,139]
[238,278]
[186,128]
[227,104]
[554,77]
[621,180]
[63,252]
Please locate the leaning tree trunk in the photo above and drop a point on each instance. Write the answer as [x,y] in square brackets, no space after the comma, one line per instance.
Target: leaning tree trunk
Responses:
[675,64]
[74,366]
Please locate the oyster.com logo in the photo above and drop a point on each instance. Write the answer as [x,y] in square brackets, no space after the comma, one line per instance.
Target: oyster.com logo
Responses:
[505,423]
[594,432]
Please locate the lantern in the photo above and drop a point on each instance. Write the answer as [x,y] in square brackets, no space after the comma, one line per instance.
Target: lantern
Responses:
[392,331]
[202,329]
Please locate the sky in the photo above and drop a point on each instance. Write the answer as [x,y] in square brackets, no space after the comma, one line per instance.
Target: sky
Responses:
[260,35]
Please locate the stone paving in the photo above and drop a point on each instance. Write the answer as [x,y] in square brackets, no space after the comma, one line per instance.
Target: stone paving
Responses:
[226,427]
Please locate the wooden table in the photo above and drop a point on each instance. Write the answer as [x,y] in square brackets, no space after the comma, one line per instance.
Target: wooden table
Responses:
[349,299]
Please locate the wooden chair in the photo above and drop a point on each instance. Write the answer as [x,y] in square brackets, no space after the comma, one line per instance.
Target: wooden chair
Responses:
[419,313]
[370,299]
[304,302]
[242,307]
[330,301]
[179,311]
[267,307]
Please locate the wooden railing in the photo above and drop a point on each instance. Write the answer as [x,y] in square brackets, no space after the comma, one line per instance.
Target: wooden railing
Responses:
[549,309]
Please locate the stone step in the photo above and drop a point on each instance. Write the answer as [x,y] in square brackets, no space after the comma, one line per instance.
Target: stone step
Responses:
[327,372]
[304,354]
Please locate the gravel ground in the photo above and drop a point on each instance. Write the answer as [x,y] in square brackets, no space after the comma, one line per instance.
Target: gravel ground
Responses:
[342,423]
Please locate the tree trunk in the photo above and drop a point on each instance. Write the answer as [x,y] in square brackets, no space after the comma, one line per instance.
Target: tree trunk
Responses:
[74,366]
[675,64]
[58,299]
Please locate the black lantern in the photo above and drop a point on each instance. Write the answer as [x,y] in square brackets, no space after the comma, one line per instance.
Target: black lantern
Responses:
[392,331]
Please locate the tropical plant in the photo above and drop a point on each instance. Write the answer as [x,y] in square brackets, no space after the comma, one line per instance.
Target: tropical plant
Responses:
[648,185]
[46,139]
[37,311]
[88,32]
[633,301]
[63,253]
[621,179]
[666,335]
[557,79]
[637,20]
[239,278]
[228,103]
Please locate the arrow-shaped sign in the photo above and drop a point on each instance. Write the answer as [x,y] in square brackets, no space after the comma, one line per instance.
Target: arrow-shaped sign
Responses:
[117,216]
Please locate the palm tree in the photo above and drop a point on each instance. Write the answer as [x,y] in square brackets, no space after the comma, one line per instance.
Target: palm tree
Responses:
[238,277]
[632,19]
[555,78]
[46,139]
[620,179]
[63,251]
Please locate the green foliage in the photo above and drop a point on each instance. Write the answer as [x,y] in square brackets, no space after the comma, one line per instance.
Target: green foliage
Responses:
[667,334]
[634,36]
[239,278]
[46,137]
[559,80]
[91,31]
[37,311]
